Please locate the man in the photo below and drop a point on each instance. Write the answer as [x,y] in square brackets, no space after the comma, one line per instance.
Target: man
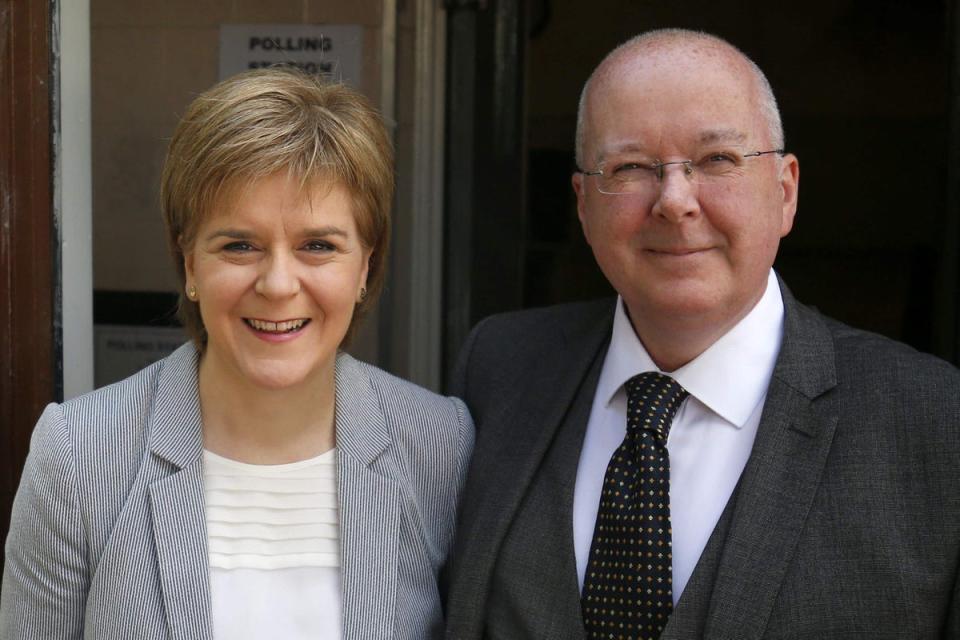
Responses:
[705,457]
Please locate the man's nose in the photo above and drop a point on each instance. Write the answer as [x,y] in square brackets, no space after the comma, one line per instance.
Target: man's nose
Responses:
[278,277]
[678,191]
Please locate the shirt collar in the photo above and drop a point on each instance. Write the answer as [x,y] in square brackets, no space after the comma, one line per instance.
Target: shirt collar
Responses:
[731,377]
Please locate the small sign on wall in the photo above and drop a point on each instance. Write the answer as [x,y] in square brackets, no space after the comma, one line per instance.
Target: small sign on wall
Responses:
[120,351]
[334,51]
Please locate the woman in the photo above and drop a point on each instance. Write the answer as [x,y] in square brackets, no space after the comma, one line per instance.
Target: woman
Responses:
[258,482]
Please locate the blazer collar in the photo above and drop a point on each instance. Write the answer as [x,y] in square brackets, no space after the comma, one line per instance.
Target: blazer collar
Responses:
[369,501]
[176,433]
[765,516]
[370,506]
[176,497]
[362,432]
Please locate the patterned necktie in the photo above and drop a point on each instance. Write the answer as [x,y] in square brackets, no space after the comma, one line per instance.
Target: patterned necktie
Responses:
[628,587]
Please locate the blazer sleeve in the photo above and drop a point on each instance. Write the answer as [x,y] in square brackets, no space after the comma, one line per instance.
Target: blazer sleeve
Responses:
[46,574]
[465,439]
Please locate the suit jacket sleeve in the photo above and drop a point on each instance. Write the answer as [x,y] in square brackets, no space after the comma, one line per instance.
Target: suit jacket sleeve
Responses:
[46,575]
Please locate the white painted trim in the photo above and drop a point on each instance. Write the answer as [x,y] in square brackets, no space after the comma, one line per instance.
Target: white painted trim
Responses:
[426,255]
[73,196]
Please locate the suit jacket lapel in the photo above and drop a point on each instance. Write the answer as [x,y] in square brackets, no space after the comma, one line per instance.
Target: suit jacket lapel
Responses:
[778,483]
[176,499]
[517,436]
[369,508]
[546,522]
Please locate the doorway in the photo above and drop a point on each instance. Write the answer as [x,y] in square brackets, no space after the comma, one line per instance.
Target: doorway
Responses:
[868,106]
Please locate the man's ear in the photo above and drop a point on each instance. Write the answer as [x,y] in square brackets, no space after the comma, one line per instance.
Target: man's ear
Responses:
[579,188]
[789,188]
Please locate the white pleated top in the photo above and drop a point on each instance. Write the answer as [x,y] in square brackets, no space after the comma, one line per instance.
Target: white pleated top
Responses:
[274,548]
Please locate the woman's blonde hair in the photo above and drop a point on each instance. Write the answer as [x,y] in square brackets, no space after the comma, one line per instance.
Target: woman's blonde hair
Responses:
[261,122]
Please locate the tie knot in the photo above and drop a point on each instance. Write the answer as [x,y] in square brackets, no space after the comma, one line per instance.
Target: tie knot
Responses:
[652,401]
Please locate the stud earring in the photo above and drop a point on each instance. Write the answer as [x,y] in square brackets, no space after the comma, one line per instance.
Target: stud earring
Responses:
[363,294]
[192,292]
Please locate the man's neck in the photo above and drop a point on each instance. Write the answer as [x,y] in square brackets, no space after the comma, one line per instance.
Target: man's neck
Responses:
[674,341]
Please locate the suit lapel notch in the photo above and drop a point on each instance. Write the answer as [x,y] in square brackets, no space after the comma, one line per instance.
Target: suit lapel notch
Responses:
[179,530]
[176,432]
[780,480]
[176,498]
[551,395]
[370,504]
[369,530]
[362,431]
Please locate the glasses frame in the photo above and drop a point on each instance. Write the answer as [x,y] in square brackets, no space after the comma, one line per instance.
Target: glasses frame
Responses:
[658,168]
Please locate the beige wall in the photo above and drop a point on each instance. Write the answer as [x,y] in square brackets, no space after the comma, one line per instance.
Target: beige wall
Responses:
[148,60]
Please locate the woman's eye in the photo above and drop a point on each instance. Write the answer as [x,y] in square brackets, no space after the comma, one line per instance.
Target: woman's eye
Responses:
[318,246]
[238,247]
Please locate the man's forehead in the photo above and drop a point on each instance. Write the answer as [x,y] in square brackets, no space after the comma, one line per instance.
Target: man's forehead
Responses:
[675,50]
[645,108]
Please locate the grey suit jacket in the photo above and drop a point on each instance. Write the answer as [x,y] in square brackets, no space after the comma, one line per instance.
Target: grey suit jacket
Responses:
[108,537]
[845,522]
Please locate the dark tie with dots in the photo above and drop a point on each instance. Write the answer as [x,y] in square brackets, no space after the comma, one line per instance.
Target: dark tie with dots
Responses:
[628,587]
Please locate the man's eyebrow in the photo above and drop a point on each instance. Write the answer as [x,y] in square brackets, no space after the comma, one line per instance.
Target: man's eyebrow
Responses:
[709,136]
[722,135]
[622,147]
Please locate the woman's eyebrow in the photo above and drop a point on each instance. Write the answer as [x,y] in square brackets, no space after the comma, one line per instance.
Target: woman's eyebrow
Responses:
[235,234]
[329,230]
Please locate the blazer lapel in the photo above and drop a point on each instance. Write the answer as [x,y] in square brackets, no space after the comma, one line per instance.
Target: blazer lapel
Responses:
[176,499]
[369,508]
[770,506]
[518,436]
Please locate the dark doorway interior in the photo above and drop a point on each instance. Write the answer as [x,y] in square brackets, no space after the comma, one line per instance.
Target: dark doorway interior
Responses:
[865,93]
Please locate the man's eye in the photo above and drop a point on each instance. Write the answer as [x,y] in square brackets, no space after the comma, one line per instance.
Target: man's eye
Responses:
[630,167]
[719,158]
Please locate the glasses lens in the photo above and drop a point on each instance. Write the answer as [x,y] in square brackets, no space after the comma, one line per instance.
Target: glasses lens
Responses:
[625,176]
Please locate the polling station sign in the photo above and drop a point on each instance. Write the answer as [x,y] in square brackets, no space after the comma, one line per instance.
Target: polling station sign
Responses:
[334,51]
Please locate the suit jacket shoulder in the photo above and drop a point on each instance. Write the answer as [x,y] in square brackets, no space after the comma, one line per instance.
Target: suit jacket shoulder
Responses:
[504,350]
[884,364]
[845,520]
[889,387]
[423,443]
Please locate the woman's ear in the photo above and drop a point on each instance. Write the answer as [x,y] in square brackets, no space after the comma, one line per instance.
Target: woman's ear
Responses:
[187,258]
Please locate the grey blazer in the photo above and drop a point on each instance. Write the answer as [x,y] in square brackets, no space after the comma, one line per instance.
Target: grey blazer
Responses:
[845,523]
[108,537]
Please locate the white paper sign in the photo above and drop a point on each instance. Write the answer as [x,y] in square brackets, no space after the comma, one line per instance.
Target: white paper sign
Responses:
[334,51]
[122,350]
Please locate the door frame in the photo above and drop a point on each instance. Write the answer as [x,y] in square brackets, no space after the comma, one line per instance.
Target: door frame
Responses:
[29,240]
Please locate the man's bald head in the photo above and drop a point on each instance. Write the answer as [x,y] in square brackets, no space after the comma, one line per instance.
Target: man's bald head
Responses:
[663,43]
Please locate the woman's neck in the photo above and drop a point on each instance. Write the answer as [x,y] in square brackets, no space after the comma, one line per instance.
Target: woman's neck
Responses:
[245,422]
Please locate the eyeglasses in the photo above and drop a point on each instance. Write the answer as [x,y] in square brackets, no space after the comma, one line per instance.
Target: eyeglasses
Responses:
[630,174]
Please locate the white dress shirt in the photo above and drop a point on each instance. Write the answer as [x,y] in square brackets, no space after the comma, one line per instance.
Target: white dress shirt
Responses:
[711,436]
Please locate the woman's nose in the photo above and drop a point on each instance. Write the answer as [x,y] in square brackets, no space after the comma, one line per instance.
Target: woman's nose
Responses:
[278,278]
